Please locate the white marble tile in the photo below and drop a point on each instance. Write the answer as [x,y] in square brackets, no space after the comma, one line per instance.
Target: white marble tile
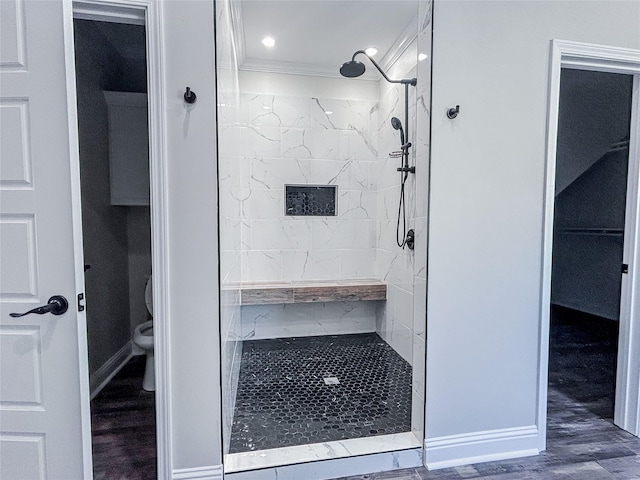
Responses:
[420,306]
[359,205]
[308,319]
[345,114]
[261,110]
[262,459]
[274,173]
[420,246]
[347,174]
[308,143]
[229,141]
[263,204]
[338,234]
[424,18]
[261,142]
[417,413]
[310,264]
[402,341]
[290,233]
[358,145]
[402,305]
[261,265]
[418,364]
[357,263]
[422,186]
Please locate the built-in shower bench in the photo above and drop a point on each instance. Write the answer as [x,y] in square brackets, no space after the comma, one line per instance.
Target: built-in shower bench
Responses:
[310,292]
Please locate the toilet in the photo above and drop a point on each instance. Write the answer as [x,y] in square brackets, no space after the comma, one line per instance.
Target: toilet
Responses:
[143,338]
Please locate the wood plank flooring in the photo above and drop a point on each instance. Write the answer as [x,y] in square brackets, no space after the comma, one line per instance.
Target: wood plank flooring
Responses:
[124,427]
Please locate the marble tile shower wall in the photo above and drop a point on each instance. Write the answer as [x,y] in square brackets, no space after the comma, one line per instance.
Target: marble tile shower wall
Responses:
[293,140]
[229,217]
[395,321]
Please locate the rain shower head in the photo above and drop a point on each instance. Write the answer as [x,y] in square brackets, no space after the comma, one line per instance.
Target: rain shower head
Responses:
[397,125]
[352,69]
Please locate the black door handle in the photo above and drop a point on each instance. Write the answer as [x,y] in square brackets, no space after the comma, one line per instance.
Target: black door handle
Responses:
[56,305]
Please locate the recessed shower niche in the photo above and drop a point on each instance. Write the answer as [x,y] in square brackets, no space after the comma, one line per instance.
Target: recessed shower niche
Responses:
[310,200]
[322,312]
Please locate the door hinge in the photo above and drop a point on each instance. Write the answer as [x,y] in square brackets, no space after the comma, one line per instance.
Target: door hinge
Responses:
[80,300]
[625,268]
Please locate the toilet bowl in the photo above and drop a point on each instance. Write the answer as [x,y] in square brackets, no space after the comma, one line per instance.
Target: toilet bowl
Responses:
[143,338]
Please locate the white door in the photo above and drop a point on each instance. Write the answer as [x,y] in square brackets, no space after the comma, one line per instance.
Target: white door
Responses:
[44,410]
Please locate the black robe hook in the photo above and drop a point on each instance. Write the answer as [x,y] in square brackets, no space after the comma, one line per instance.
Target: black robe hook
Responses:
[189,96]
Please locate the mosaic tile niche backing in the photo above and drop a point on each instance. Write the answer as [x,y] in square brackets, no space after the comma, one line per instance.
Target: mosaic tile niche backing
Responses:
[312,200]
[295,391]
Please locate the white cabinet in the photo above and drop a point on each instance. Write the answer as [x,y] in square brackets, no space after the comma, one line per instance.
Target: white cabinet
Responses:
[128,148]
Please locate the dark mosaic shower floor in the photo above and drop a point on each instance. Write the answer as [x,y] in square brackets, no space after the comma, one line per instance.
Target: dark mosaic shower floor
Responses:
[283,397]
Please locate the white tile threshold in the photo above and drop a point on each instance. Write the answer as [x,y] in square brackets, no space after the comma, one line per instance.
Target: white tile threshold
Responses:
[276,457]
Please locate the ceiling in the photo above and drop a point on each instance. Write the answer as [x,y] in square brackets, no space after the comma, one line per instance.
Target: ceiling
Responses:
[314,37]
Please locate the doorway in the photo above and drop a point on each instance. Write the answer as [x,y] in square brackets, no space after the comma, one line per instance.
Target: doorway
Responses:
[111,81]
[592,167]
[589,287]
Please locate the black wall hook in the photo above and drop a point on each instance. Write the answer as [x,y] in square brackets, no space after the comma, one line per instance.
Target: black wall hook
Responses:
[453,112]
[189,96]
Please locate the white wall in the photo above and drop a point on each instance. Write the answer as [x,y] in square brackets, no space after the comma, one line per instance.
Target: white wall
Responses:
[487,179]
[194,329]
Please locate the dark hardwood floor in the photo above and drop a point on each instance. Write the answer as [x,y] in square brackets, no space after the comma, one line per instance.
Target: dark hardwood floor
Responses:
[582,441]
[124,427]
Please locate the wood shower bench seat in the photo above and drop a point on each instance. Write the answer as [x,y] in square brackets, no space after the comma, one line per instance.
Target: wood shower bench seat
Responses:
[310,292]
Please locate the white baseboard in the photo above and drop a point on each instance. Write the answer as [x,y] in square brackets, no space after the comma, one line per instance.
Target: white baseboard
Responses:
[478,447]
[213,472]
[108,370]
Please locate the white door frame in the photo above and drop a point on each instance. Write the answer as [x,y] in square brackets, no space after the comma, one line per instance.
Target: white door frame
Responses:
[565,54]
[148,13]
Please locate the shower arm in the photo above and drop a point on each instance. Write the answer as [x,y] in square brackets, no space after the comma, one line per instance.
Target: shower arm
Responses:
[406,82]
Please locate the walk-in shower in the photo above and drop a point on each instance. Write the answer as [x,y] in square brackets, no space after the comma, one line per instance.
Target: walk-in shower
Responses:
[322,315]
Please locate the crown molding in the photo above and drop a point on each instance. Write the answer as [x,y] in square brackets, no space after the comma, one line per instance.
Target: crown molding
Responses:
[406,38]
[297,68]
[400,45]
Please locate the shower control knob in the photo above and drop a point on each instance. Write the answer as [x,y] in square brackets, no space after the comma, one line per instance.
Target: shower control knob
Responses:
[411,238]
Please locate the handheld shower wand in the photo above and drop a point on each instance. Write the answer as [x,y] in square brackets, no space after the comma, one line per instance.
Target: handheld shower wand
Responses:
[397,125]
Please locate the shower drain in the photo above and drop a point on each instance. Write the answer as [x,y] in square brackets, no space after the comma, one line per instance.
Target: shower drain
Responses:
[331,381]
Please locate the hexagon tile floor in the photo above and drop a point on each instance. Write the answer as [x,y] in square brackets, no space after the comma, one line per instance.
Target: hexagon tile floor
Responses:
[295,391]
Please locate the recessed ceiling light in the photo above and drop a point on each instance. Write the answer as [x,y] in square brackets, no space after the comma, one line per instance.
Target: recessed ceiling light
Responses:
[268,42]
[371,51]
[422,56]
